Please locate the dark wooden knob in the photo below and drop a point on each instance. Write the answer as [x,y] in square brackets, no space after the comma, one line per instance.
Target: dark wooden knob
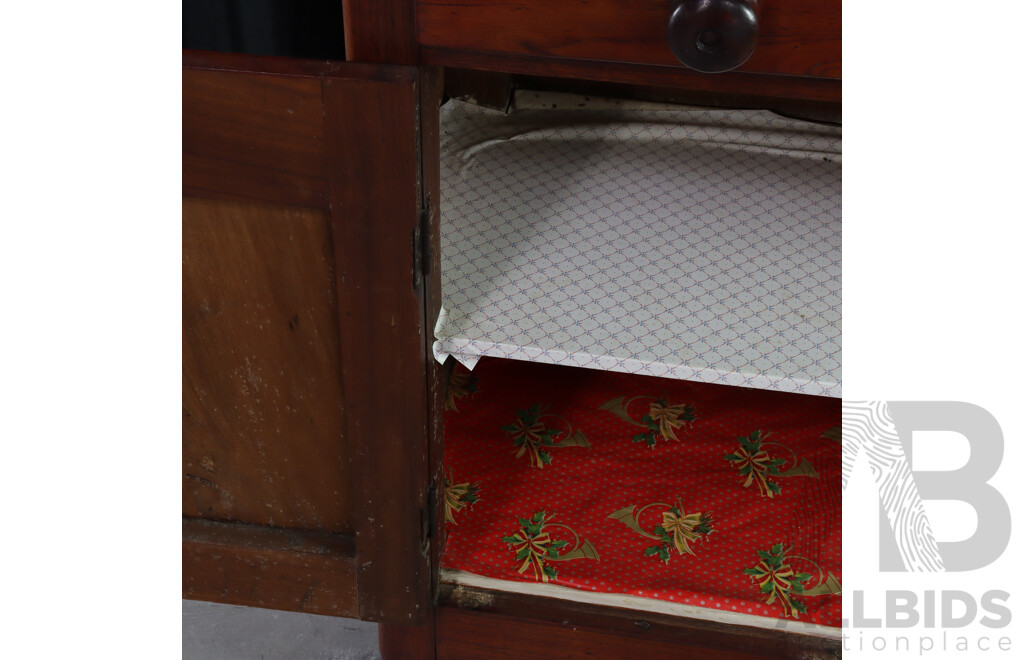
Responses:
[713,35]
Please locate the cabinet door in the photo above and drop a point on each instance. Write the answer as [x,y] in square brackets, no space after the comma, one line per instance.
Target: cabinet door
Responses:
[306,465]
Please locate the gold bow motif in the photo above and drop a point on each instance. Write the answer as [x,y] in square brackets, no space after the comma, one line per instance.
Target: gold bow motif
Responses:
[681,528]
[757,465]
[677,530]
[457,497]
[459,385]
[532,436]
[661,419]
[777,581]
[668,418]
[534,546]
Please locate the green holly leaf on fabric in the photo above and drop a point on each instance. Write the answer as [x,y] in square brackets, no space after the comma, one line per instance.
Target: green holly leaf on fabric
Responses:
[773,574]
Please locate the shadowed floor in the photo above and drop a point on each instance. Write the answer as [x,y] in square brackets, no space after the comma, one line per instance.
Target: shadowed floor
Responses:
[228,632]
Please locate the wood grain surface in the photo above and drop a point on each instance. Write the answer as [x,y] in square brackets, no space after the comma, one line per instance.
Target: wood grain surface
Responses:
[275,569]
[795,37]
[431,92]
[253,136]
[829,90]
[380,31]
[305,399]
[399,642]
[263,416]
[375,200]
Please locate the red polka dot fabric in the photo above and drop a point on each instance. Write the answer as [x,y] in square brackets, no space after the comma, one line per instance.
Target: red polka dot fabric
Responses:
[741,512]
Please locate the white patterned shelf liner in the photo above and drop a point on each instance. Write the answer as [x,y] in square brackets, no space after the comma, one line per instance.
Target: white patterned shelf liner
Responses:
[686,243]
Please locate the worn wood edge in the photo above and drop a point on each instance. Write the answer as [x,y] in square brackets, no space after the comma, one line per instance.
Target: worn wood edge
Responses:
[496,90]
[246,63]
[650,606]
[256,566]
[827,112]
[749,84]
[375,191]
[638,624]
[484,88]
[292,66]
[211,532]
[431,91]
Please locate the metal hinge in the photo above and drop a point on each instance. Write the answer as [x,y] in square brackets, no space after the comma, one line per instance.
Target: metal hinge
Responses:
[421,248]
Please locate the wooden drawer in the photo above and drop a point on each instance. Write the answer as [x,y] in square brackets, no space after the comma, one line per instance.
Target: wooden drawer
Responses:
[795,37]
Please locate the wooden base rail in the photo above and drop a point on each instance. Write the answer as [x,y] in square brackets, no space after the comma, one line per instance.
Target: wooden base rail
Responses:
[273,568]
[477,623]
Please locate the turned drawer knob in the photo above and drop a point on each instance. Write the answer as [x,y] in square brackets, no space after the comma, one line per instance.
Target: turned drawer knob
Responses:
[713,35]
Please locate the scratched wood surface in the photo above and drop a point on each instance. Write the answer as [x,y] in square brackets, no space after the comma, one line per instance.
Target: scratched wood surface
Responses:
[263,413]
[431,91]
[305,402]
[275,569]
[375,201]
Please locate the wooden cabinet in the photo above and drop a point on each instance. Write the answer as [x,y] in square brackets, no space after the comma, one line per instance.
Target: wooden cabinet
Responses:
[312,407]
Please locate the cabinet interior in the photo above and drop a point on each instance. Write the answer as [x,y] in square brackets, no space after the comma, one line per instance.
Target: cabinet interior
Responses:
[696,252]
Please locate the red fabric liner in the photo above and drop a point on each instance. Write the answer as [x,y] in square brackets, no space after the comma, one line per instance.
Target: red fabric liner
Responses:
[583,485]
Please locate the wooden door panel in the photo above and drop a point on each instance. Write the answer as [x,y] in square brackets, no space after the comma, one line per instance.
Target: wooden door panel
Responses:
[254,136]
[305,451]
[262,402]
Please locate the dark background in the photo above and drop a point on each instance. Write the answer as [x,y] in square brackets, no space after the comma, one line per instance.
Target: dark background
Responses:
[293,28]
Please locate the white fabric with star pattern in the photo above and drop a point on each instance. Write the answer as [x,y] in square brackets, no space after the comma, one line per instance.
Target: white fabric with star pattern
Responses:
[677,242]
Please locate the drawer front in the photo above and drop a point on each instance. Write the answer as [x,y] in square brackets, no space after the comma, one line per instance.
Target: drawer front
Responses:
[795,37]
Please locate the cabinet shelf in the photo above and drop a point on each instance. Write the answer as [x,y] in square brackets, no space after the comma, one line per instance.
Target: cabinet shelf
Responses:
[603,459]
[685,243]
